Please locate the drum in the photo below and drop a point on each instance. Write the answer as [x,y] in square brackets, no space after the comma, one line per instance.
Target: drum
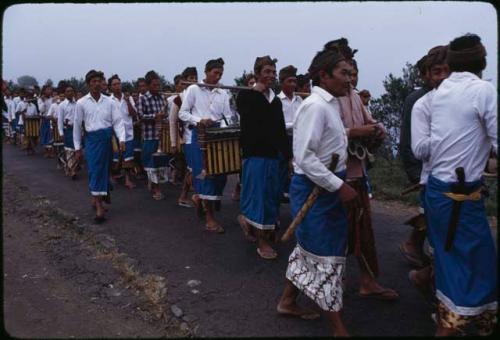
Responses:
[165,142]
[221,150]
[32,126]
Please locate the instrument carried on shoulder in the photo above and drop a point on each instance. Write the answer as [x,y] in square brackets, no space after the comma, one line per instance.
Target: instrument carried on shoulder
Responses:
[165,141]
[221,150]
[32,126]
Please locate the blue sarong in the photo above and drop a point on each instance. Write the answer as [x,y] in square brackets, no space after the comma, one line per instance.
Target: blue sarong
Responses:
[98,156]
[68,138]
[211,187]
[45,135]
[466,275]
[260,192]
[323,231]
[149,147]
[186,148]
[128,154]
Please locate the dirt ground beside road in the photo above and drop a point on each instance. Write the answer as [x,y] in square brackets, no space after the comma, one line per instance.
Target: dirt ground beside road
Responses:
[60,282]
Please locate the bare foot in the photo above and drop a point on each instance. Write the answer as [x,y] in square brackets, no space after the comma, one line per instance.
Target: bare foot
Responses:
[130,185]
[294,310]
[247,230]
[374,290]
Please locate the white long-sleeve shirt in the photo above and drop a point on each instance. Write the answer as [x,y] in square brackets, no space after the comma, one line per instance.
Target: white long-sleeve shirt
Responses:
[65,113]
[289,108]
[203,103]
[128,122]
[462,128]
[11,106]
[44,105]
[29,108]
[420,131]
[173,116]
[97,115]
[318,132]
[53,109]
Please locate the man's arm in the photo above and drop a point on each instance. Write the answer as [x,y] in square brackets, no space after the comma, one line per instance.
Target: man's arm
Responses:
[421,130]
[77,126]
[187,105]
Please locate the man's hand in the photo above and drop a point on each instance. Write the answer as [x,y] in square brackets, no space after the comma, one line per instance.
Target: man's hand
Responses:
[79,155]
[160,114]
[122,146]
[347,194]
[206,122]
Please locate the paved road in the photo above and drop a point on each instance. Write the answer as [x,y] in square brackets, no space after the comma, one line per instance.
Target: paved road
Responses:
[238,291]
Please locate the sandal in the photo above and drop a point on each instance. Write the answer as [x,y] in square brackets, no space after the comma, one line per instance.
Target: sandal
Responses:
[218,229]
[267,255]
[158,197]
[385,294]
[186,204]
[245,229]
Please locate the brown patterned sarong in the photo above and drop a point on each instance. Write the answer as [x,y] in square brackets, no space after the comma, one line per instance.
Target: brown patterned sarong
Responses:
[361,241]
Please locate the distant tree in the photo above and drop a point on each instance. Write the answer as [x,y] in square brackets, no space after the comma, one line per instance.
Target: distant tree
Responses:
[240,81]
[12,86]
[27,81]
[49,82]
[388,108]
[127,86]
[77,84]
[166,85]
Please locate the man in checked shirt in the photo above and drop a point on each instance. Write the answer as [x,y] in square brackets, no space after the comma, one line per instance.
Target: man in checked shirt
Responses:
[150,108]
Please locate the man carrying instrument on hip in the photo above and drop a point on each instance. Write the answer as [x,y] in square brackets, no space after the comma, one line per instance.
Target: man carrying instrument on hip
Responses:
[44,103]
[101,115]
[265,146]
[456,143]
[290,102]
[126,105]
[28,108]
[151,110]
[65,123]
[205,107]
[364,133]
[317,264]
[178,127]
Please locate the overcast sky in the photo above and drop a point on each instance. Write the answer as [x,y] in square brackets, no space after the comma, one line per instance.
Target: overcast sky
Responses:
[58,41]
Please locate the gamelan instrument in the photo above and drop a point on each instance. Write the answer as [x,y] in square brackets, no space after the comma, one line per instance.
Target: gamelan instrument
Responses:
[165,144]
[58,139]
[221,149]
[32,126]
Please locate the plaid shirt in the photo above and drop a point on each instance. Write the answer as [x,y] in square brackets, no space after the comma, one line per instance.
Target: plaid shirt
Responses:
[147,107]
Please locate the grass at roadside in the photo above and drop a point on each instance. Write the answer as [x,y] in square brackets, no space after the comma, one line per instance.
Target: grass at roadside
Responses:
[388,179]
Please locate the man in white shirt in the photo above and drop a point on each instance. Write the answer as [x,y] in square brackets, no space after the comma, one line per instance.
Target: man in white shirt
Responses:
[455,142]
[28,109]
[436,71]
[44,103]
[100,115]
[207,107]
[317,264]
[65,123]
[57,138]
[126,106]
[290,102]
[190,74]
